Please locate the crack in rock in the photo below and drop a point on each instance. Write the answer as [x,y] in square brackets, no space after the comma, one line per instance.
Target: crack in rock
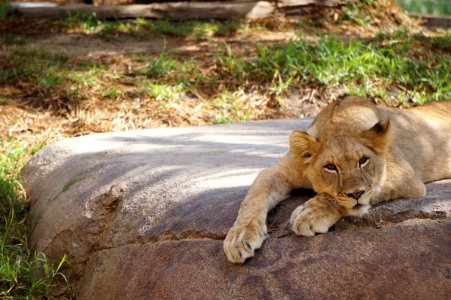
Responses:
[381,217]
[169,235]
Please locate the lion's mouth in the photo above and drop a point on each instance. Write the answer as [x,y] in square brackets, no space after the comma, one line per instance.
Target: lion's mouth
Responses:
[365,199]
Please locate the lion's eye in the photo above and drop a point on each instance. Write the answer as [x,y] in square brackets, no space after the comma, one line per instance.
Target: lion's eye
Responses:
[363,161]
[330,167]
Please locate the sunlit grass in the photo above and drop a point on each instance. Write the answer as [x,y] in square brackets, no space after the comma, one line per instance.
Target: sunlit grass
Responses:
[108,29]
[355,12]
[399,66]
[199,30]
[394,66]
[369,66]
[165,92]
[231,107]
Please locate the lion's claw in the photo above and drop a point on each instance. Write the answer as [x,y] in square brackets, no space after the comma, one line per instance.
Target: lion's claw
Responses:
[315,216]
[242,240]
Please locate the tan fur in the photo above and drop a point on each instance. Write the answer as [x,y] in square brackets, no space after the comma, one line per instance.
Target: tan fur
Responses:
[354,154]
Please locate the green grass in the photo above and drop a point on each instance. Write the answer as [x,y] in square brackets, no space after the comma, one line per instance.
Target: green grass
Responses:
[161,65]
[165,92]
[396,67]
[231,107]
[364,68]
[199,30]
[3,9]
[36,64]
[442,42]
[23,273]
[106,29]
[13,39]
[109,29]
[168,74]
[356,12]
[433,7]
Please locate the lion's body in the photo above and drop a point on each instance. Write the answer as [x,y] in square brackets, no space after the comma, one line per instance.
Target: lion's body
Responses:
[354,154]
[423,137]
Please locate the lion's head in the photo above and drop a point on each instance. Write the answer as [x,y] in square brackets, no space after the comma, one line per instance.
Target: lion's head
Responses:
[344,153]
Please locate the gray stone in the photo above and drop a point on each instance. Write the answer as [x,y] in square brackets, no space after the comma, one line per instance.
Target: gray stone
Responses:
[142,214]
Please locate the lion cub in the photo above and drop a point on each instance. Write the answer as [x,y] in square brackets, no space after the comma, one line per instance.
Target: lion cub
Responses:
[353,155]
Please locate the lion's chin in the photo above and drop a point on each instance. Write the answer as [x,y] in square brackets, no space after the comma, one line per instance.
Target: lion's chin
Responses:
[359,210]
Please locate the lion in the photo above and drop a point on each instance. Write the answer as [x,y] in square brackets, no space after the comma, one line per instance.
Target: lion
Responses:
[354,154]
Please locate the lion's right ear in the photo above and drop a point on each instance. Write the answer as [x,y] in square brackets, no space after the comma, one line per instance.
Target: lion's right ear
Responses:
[379,136]
[302,144]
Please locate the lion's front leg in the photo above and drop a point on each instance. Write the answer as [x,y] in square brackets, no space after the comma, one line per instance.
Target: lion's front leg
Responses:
[270,187]
[316,215]
[249,230]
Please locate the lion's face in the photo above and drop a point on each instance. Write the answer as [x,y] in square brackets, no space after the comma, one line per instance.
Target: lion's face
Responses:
[347,170]
[348,165]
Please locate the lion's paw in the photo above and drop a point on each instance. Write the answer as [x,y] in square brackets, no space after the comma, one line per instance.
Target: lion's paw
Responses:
[316,216]
[242,240]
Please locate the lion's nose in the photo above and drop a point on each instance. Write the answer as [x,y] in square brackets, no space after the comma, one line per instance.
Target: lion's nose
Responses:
[356,194]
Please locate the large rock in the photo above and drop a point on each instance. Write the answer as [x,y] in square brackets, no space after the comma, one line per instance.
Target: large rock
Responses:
[142,215]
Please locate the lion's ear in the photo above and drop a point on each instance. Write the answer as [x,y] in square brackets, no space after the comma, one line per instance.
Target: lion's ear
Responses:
[379,136]
[302,144]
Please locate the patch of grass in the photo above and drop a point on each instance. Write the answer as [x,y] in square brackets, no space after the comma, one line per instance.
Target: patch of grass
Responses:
[170,70]
[13,39]
[112,92]
[330,61]
[231,107]
[190,73]
[36,63]
[138,27]
[109,29]
[84,79]
[165,92]
[106,29]
[196,29]
[432,7]
[228,28]
[88,22]
[49,71]
[442,42]
[232,64]
[89,64]
[356,12]
[23,273]
[199,30]
[161,65]
[85,74]
[180,29]
[3,9]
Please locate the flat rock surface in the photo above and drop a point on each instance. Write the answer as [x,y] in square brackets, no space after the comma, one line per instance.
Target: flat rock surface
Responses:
[142,214]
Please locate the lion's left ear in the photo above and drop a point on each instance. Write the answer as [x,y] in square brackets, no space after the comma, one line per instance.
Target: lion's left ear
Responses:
[379,136]
[303,145]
